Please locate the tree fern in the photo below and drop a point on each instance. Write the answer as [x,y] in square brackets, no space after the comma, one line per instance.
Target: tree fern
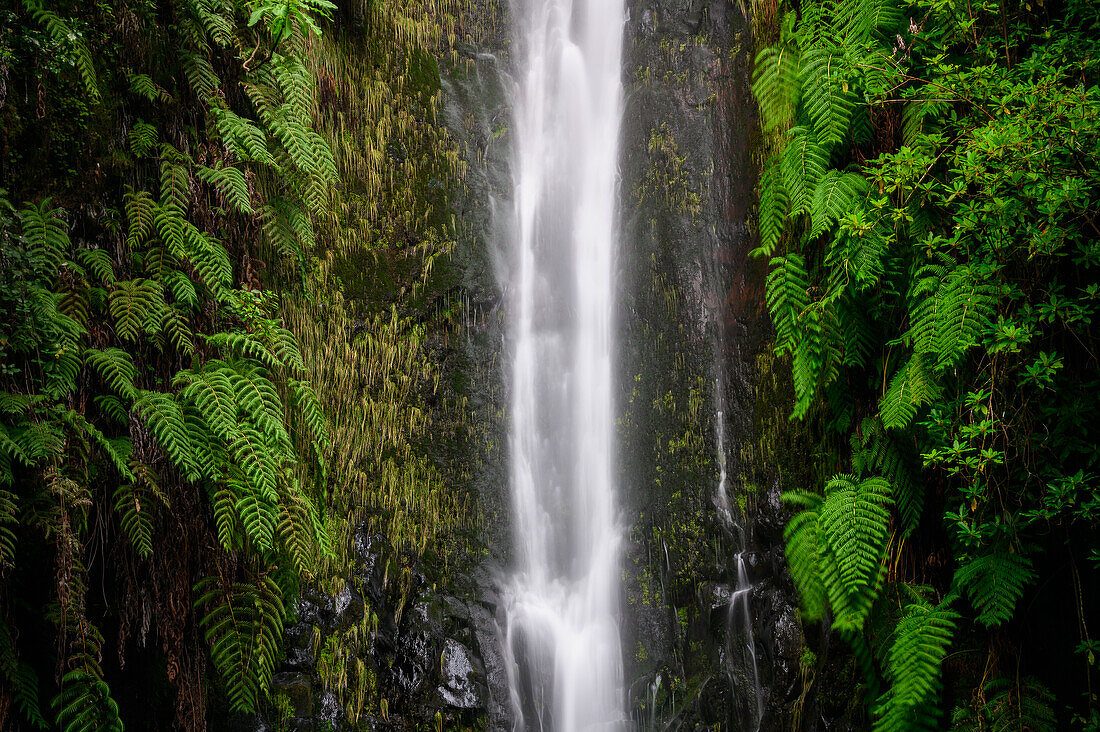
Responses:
[855,520]
[231,183]
[913,386]
[825,94]
[775,85]
[994,582]
[164,418]
[876,449]
[804,163]
[116,368]
[787,297]
[243,624]
[920,642]
[1009,705]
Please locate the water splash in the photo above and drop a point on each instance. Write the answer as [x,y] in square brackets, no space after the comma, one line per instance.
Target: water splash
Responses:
[565,669]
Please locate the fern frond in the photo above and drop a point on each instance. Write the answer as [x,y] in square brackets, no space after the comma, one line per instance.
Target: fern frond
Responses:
[825,94]
[99,263]
[137,306]
[9,520]
[801,539]
[919,645]
[787,296]
[805,160]
[775,85]
[116,368]
[46,233]
[834,198]
[135,507]
[243,625]
[994,582]
[774,207]
[231,184]
[143,138]
[164,418]
[855,522]
[912,387]
[141,211]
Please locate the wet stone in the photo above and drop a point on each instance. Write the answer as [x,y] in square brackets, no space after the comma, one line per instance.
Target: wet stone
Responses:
[463,677]
[296,687]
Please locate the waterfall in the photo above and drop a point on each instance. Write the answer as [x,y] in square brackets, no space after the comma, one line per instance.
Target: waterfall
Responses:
[562,638]
[741,663]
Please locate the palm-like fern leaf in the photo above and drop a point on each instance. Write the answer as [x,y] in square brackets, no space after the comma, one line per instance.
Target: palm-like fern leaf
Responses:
[994,582]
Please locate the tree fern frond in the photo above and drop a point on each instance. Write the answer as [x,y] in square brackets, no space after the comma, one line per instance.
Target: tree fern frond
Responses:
[135,508]
[994,582]
[913,386]
[919,645]
[801,538]
[243,624]
[116,368]
[805,160]
[231,183]
[9,520]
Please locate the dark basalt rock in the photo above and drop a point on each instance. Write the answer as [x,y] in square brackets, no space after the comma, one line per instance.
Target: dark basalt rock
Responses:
[463,676]
[297,688]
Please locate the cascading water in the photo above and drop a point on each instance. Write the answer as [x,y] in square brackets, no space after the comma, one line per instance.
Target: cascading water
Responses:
[562,602]
[741,646]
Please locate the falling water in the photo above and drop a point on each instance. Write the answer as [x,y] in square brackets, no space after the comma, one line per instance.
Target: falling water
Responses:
[742,665]
[562,632]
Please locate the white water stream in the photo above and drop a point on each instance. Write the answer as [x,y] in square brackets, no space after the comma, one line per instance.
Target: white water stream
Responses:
[562,637]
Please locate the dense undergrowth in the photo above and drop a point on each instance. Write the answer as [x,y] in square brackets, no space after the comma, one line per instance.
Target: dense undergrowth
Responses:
[193,293]
[930,215]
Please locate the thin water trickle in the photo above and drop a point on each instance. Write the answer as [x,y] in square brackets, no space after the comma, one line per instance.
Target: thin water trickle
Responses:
[743,666]
[562,638]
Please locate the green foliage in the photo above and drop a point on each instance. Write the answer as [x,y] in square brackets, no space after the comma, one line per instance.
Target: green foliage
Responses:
[243,624]
[151,396]
[994,583]
[917,649]
[929,214]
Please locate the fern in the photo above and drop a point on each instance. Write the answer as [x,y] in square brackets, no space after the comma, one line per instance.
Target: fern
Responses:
[951,312]
[774,207]
[243,624]
[775,85]
[143,138]
[63,35]
[231,183]
[787,297]
[855,520]
[912,387]
[100,264]
[134,506]
[1020,705]
[46,233]
[834,199]
[876,449]
[825,95]
[137,307]
[804,163]
[801,539]
[920,643]
[9,520]
[84,703]
[994,582]
[247,141]
[164,418]
[141,212]
[116,367]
